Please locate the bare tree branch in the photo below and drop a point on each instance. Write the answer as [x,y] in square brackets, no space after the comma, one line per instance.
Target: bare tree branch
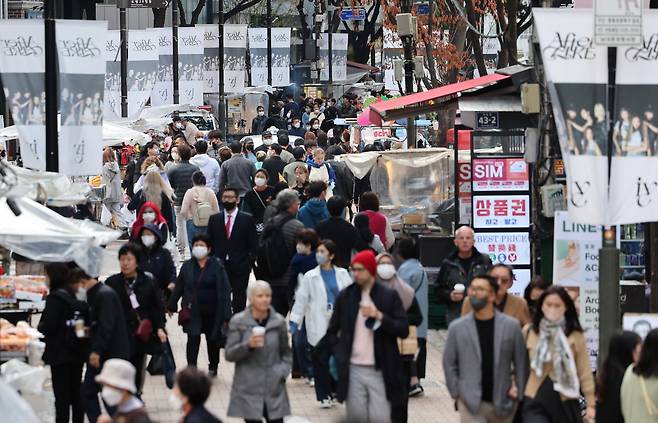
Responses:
[240,7]
[197,11]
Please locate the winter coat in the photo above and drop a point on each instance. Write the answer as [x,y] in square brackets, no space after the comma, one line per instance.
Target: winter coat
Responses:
[61,306]
[186,288]
[109,337]
[157,262]
[299,265]
[200,414]
[313,212]
[193,197]
[311,302]
[180,178]
[111,177]
[413,273]
[345,236]
[290,230]
[210,168]
[260,373]
[236,172]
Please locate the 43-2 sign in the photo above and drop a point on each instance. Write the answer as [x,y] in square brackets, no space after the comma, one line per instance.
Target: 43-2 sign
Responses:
[487,120]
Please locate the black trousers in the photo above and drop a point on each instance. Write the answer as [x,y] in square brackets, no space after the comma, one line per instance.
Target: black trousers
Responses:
[193,344]
[67,379]
[418,367]
[139,361]
[239,280]
[399,411]
[324,384]
[280,300]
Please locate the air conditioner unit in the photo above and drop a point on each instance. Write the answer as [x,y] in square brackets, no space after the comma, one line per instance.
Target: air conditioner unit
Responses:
[406,23]
[398,66]
[530,98]
[419,67]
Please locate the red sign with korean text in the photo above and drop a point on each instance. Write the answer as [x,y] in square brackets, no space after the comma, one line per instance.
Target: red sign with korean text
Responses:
[508,174]
[501,211]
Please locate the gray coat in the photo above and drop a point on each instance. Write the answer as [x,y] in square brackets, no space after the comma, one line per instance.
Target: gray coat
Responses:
[462,362]
[111,177]
[290,230]
[260,374]
[236,172]
[413,273]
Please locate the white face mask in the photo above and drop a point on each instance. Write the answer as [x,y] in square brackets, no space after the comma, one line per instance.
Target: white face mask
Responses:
[174,156]
[148,240]
[260,182]
[261,113]
[111,396]
[321,258]
[386,271]
[81,295]
[199,252]
[552,314]
[302,249]
[149,217]
[179,125]
[175,402]
[267,141]
[295,124]
[316,126]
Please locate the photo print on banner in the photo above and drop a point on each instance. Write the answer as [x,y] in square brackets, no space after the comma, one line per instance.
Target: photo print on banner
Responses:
[210,58]
[112,103]
[22,66]
[190,65]
[258,56]
[393,51]
[163,93]
[339,57]
[235,48]
[577,74]
[634,170]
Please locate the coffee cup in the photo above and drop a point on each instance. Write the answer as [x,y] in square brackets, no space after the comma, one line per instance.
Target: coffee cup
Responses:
[459,288]
[258,331]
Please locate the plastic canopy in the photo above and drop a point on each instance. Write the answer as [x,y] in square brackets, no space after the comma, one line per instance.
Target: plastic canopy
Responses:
[40,234]
[113,134]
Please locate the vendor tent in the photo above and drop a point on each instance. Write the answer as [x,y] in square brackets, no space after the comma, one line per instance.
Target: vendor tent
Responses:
[38,233]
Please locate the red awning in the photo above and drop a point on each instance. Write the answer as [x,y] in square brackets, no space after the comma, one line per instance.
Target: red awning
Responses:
[386,110]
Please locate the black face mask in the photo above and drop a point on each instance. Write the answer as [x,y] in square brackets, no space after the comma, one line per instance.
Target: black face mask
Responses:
[229,205]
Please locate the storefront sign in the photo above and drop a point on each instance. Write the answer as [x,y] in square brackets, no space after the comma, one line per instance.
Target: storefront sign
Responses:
[358,14]
[521,281]
[370,135]
[501,211]
[487,120]
[511,248]
[500,175]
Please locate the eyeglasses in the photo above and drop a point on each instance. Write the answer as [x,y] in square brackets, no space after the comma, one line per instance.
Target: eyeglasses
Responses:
[357,269]
[479,289]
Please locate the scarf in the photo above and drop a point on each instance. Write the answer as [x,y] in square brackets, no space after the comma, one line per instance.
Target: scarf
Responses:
[405,292]
[553,347]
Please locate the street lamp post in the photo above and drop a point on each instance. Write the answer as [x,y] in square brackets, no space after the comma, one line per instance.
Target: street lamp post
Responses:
[408,45]
[269,42]
[174,37]
[51,89]
[123,31]
[221,111]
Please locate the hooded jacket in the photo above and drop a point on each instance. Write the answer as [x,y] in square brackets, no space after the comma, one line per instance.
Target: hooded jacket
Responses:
[313,212]
[210,168]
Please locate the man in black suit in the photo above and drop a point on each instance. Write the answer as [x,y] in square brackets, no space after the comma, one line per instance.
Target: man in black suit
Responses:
[234,241]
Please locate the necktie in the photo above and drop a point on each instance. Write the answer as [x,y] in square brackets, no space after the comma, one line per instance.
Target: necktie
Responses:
[228,226]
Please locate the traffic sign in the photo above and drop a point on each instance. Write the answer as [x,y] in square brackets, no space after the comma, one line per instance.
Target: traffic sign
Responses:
[423,9]
[356,14]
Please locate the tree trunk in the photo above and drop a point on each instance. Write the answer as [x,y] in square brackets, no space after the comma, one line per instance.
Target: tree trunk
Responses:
[197,11]
[512,31]
[459,41]
[358,41]
[475,39]
[159,17]
[181,14]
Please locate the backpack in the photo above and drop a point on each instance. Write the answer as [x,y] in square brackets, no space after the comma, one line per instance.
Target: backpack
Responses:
[202,214]
[78,310]
[273,255]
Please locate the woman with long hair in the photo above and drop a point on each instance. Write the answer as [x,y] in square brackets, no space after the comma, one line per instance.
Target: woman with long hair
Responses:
[155,191]
[256,200]
[624,350]
[198,202]
[362,225]
[639,389]
[111,178]
[559,362]
[149,213]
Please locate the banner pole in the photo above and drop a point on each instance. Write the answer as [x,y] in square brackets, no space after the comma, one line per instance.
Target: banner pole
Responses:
[124,60]
[221,112]
[174,37]
[269,42]
[51,89]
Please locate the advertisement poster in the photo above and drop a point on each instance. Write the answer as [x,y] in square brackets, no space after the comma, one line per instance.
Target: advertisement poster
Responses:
[81,86]
[576,267]
[235,49]
[324,56]
[258,56]
[210,58]
[142,69]
[163,93]
[190,65]
[521,281]
[505,174]
[511,248]
[339,57]
[280,57]
[22,66]
[640,323]
[634,170]
[112,92]
[393,51]
[501,211]
[577,74]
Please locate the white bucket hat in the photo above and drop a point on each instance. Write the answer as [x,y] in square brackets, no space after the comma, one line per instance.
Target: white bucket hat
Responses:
[119,374]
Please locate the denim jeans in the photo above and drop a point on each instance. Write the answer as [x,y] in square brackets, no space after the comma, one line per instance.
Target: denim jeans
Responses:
[192,230]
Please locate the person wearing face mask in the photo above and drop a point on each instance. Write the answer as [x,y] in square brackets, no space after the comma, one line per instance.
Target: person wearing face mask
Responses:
[257,199]
[248,150]
[233,234]
[299,155]
[158,193]
[140,300]
[306,116]
[387,276]
[206,301]
[274,164]
[315,209]
[559,362]
[66,348]
[533,291]
[314,126]
[108,337]
[149,213]
[317,114]
[296,128]
[172,160]
[484,360]
[258,123]
[267,142]
[189,395]
[320,170]
[236,172]
[315,300]
[186,128]
[199,204]
[156,260]
[118,380]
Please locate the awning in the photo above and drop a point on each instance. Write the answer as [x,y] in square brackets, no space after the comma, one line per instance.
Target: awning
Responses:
[424,102]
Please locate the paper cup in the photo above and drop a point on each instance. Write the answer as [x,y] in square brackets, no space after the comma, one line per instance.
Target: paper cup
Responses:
[460,288]
[258,331]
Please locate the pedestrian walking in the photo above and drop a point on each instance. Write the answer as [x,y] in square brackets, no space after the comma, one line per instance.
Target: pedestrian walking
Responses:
[412,272]
[158,193]
[233,236]
[180,178]
[111,178]
[315,300]
[258,345]
[189,395]
[149,213]
[533,291]
[207,165]
[66,348]
[236,172]
[119,392]
[368,240]
[337,229]
[274,164]
[484,360]
[142,310]
[199,204]
[368,319]
[624,350]
[379,224]
[206,301]
[559,362]
[156,260]
[511,305]
[315,209]
[639,389]
[289,172]
[320,170]
[258,198]
[457,270]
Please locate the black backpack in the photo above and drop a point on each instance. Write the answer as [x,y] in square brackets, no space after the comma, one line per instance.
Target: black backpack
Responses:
[273,255]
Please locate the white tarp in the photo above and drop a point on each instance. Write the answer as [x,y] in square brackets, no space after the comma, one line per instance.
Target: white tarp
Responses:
[40,234]
[360,164]
[113,134]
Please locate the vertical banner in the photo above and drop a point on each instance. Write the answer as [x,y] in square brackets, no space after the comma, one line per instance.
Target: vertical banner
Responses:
[22,67]
[576,267]
[393,51]
[210,58]
[163,93]
[339,57]
[258,56]
[280,57]
[81,86]
[190,65]
[324,56]
[577,74]
[112,92]
[634,170]
[142,69]
[235,49]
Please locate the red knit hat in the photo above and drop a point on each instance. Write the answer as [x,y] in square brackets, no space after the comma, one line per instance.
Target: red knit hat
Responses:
[366,258]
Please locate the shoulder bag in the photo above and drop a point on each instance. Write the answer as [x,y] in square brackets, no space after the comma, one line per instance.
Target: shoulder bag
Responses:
[185,313]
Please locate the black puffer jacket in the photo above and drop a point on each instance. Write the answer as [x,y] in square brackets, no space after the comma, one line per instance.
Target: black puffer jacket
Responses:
[62,346]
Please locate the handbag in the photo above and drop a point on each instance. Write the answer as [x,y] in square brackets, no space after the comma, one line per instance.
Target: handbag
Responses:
[144,329]
[409,345]
[163,363]
[185,313]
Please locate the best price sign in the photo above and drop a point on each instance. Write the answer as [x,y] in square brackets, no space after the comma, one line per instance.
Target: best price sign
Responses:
[501,211]
[508,174]
[511,248]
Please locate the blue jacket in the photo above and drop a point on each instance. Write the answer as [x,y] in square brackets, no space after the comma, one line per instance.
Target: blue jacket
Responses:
[313,212]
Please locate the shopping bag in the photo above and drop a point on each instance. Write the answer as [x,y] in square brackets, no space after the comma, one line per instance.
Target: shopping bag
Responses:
[162,363]
[106,216]
[126,217]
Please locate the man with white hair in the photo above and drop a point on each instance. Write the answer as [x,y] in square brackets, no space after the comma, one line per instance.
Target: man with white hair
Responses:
[457,270]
